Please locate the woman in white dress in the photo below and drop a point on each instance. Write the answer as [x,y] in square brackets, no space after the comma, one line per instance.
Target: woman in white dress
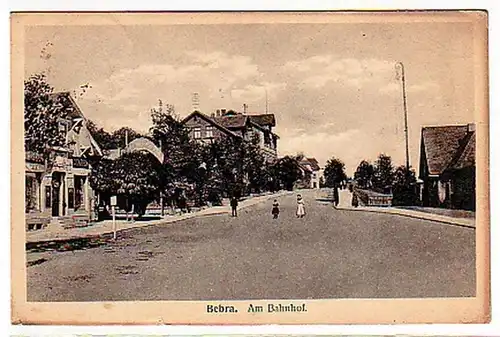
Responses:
[300,207]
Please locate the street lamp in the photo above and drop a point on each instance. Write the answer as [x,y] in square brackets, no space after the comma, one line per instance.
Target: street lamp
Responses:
[399,65]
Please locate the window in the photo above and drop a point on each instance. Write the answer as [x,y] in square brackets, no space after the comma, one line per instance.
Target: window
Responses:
[197,133]
[209,132]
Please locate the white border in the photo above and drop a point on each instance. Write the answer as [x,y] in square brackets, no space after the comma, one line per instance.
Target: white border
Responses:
[492,6]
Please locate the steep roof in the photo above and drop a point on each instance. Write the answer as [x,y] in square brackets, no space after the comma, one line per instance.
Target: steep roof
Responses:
[441,144]
[75,112]
[263,119]
[212,121]
[314,164]
[231,121]
[466,157]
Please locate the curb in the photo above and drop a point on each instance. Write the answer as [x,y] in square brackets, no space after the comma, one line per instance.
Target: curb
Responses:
[414,216]
[159,223]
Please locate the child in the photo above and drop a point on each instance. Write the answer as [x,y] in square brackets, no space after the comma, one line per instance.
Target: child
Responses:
[276,209]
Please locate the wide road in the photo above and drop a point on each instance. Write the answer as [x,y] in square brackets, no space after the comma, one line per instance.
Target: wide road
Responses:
[328,254]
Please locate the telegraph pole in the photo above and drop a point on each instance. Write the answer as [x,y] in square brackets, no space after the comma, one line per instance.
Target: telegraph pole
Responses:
[403,81]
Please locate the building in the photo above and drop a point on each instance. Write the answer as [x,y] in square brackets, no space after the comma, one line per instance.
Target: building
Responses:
[311,169]
[58,187]
[229,123]
[447,166]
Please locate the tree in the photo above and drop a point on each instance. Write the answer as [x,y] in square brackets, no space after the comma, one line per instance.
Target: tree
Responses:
[383,174]
[172,137]
[43,112]
[105,139]
[364,174]
[404,187]
[254,164]
[288,171]
[334,172]
[136,176]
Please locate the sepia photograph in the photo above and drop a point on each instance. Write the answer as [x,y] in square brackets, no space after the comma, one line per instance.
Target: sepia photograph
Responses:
[250,168]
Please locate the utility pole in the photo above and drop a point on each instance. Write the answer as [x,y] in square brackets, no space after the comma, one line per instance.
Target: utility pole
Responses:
[403,80]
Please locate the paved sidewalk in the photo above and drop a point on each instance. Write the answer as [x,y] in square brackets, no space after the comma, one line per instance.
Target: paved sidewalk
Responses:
[345,198]
[54,232]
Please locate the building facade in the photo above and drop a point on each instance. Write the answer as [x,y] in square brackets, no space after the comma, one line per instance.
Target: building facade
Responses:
[311,173]
[57,185]
[224,123]
[447,166]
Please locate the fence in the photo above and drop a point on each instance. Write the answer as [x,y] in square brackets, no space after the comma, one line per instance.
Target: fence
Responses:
[371,198]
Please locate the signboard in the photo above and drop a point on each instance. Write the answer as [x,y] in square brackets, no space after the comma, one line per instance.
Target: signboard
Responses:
[113,200]
[34,167]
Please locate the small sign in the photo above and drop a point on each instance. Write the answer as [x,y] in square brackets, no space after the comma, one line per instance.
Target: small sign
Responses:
[113,200]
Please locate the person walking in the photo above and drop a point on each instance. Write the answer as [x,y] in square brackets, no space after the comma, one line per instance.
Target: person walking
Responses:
[336,195]
[301,211]
[276,209]
[234,207]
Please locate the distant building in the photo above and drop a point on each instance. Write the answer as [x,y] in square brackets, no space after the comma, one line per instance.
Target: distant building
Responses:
[312,172]
[447,166]
[229,123]
[61,189]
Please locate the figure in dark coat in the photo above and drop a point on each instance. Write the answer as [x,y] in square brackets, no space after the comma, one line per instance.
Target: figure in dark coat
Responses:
[336,195]
[234,206]
[276,209]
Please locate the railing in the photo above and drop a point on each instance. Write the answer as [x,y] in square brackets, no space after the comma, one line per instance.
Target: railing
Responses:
[371,198]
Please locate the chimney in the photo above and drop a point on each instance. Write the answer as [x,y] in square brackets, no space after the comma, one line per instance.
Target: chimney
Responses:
[223,112]
[471,127]
[217,113]
[245,108]
[212,114]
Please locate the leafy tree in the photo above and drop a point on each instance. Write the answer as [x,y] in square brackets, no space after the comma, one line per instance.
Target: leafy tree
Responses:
[364,174]
[383,174]
[43,112]
[254,164]
[288,171]
[172,137]
[136,176]
[105,139]
[334,172]
[404,187]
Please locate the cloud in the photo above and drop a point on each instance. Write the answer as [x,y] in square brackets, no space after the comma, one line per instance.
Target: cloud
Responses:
[256,92]
[427,86]
[133,90]
[322,69]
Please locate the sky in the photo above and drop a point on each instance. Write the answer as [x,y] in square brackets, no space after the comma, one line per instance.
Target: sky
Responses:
[334,88]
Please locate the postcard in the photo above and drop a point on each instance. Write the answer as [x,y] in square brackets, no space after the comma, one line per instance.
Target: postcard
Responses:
[250,168]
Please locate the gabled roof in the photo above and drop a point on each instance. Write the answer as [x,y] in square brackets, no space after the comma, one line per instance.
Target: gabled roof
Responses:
[314,164]
[231,121]
[263,119]
[442,144]
[466,157]
[211,121]
[76,113]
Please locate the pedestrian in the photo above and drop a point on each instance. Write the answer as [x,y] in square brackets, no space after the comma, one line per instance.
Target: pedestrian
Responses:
[354,201]
[276,209]
[300,207]
[336,195]
[234,206]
